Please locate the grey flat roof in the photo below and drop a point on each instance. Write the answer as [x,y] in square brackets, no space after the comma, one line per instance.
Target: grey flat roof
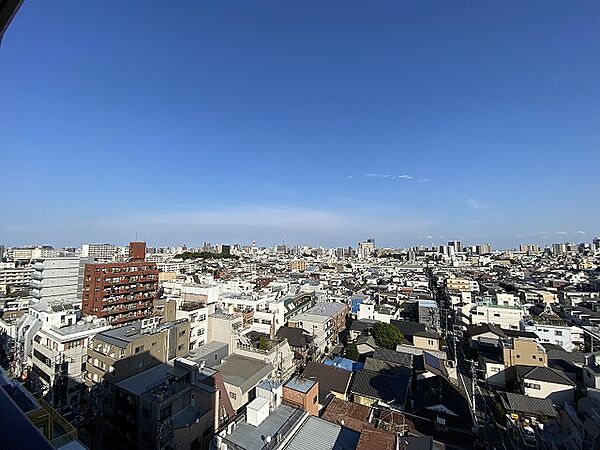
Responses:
[243,372]
[250,437]
[318,434]
[300,384]
[121,336]
[327,309]
[138,384]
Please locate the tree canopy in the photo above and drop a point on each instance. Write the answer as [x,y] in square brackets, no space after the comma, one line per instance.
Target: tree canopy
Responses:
[387,335]
[352,352]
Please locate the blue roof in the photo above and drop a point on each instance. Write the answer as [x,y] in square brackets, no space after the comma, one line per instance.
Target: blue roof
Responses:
[355,304]
[344,363]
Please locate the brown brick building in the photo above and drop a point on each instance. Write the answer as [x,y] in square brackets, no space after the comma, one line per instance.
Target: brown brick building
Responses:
[121,292]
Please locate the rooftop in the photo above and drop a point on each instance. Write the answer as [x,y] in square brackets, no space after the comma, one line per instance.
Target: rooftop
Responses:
[316,434]
[243,372]
[300,384]
[250,437]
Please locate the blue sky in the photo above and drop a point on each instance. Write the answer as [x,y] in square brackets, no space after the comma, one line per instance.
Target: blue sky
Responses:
[327,122]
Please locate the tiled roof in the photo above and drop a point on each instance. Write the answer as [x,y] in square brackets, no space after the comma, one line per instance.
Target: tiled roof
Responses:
[330,378]
[548,375]
[524,404]
[390,388]
[376,439]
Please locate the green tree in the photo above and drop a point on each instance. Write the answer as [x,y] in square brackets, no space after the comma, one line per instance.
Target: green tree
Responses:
[263,343]
[387,335]
[352,352]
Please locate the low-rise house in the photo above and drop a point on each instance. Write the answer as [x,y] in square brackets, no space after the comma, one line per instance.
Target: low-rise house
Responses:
[241,375]
[544,382]
[387,386]
[302,393]
[360,328]
[299,340]
[591,372]
[437,399]
[332,380]
[366,345]
[527,407]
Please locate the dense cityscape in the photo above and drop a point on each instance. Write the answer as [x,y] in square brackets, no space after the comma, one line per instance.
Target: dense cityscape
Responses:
[315,225]
[247,347]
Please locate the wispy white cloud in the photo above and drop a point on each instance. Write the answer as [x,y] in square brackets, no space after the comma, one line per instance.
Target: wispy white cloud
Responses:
[349,177]
[377,175]
[397,177]
[474,203]
[583,233]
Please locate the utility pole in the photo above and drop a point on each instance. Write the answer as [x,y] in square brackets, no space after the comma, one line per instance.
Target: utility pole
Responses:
[473,389]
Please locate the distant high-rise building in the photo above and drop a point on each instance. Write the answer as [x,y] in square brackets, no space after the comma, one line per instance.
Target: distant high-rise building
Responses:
[137,251]
[456,245]
[99,251]
[558,249]
[366,249]
[529,248]
[483,249]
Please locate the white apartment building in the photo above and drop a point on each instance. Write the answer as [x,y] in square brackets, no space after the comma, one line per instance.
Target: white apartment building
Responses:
[206,293]
[99,251]
[12,278]
[58,279]
[59,354]
[555,332]
[196,313]
[40,316]
[381,313]
[503,310]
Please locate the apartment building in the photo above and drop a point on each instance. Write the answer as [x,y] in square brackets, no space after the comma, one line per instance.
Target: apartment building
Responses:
[552,329]
[13,279]
[105,252]
[57,279]
[120,292]
[462,285]
[503,310]
[59,356]
[179,404]
[125,351]
[195,312]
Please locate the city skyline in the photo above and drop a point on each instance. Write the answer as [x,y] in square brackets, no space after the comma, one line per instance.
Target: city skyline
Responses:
[323,123]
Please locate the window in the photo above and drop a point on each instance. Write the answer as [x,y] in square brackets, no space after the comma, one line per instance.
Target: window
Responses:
[518,356]
[232,395]
[557,333]
[165,413]
[139,349]
[315,400]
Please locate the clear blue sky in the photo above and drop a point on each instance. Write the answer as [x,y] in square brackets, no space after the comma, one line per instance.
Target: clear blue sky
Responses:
[327,122]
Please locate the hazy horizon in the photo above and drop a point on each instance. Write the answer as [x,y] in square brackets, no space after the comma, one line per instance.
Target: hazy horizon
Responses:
[413,122]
